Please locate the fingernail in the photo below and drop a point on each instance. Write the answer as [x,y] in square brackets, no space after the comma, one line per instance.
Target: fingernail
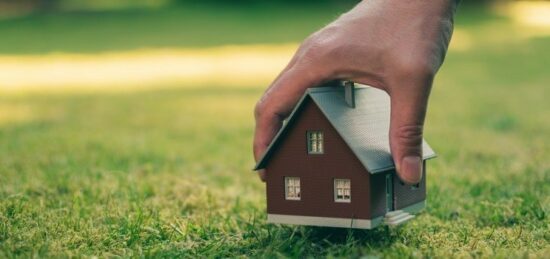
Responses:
[411,169]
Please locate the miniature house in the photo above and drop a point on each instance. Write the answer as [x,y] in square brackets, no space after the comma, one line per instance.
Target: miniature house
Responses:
[330,164]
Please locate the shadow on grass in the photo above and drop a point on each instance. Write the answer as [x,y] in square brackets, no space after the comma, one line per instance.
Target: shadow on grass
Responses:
[302,240]
[376,237]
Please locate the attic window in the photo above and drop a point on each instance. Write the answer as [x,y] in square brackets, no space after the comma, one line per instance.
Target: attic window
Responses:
[315,143]
[292,188]
[342,190]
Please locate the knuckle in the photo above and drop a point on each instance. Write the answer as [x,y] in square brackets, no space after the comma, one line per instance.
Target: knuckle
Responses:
[259,109]
[409,135]
[312,51]
[415,67]
[257,146]
[318,45]
[264,111]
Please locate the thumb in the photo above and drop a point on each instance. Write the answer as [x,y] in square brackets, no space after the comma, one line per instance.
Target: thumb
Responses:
[408,110]
[277,103]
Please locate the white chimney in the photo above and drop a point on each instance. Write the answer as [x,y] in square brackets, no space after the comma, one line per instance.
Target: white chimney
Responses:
[349,93]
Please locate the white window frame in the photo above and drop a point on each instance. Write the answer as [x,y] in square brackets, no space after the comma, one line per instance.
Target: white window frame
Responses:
[342,190]
[293,189]
[315,142]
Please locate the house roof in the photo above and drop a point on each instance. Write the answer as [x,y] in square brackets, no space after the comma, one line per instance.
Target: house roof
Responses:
[364,128]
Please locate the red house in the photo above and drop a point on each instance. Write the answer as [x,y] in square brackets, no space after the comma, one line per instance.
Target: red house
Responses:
[330,164]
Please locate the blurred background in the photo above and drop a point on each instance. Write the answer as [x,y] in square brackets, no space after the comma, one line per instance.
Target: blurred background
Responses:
[143,43]
[126,129]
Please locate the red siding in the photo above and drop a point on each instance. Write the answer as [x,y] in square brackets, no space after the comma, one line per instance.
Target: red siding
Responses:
[317,172]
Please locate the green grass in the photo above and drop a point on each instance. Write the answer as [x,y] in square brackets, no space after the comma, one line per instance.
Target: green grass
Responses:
[191,26]
[166,172]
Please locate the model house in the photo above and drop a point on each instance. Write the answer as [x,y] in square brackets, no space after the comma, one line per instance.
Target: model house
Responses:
[330,164]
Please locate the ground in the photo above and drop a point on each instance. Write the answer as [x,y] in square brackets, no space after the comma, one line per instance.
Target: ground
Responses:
[166,171]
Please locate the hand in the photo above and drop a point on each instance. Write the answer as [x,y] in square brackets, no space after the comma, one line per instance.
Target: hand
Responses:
[393,45]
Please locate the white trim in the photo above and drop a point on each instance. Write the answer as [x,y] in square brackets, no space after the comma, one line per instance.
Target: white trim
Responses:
[338,222]
[324,221]
[414,208]
[397,217]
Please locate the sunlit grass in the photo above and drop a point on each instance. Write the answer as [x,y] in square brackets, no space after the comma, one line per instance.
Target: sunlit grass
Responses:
[529,13]
[229,65]
[10,114]
[189,26]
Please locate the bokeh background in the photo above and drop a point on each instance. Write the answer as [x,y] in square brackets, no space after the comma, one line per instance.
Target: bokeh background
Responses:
[126,128]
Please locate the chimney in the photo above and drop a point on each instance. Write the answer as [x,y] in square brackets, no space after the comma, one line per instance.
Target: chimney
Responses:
[349,93]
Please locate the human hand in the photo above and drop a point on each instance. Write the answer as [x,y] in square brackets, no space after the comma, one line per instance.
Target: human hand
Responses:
[393,45]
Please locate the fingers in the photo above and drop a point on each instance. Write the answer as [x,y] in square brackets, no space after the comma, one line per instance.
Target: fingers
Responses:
[409,102]
[261,174]
[277,103]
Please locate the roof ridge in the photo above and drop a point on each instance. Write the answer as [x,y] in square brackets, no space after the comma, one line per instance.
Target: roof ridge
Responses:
[331,88]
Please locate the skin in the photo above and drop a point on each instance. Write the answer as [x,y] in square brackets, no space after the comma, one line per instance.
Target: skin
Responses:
[394,45]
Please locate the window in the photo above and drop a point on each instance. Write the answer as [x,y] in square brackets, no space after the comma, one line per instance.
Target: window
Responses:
[413,187]
[315,142]
[342,190]
[292,188]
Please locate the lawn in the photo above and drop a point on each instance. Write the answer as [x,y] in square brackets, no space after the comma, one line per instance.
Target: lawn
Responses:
[167,172]
[192,26]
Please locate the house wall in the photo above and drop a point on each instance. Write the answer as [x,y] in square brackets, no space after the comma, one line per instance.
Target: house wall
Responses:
[317,172]
[378,194]
[405,195]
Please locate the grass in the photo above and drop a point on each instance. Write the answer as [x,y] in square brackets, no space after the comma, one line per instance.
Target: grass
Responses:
[166,172]
[162,28]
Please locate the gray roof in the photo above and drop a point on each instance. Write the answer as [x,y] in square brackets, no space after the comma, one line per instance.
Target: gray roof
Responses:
[364,128]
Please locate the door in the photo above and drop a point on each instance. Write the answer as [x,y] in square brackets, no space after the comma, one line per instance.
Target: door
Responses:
[389,192]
